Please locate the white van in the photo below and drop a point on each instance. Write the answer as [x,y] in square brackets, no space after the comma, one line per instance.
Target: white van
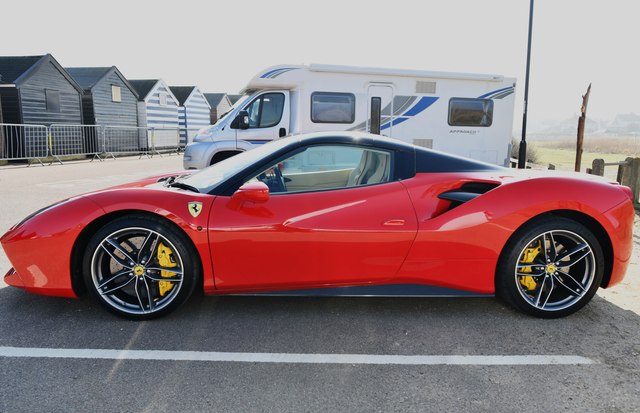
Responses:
[463,114]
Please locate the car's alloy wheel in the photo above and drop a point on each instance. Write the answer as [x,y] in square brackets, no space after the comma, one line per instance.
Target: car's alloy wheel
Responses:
[551,268]
[140,268]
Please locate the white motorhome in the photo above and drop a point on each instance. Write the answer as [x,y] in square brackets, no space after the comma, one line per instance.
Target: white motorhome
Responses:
[464,114]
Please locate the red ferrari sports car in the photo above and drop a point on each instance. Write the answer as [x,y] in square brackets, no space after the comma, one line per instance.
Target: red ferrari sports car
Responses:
[335,213]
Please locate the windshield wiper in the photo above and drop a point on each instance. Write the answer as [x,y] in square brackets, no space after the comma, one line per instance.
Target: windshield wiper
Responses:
[182,185]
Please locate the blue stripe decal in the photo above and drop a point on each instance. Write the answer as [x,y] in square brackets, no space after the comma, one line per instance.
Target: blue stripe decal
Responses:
[274,71]
[394,123]
[415,290]
[416,109]
[422,104]
[495,91]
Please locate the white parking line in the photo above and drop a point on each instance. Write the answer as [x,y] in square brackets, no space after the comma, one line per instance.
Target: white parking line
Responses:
[431,360]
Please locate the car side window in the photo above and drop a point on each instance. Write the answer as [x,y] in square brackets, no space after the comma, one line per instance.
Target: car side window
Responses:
[266,110]
[326,167]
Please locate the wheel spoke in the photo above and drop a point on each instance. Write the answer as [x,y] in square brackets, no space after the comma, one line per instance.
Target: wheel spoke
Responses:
[544,247]
[116,275]
[541,293]
[574,261]
[117,287]
[553,247]
[158,278]
[138,295]
[529,274]
[148,246]
[530,265]
[149,298]
[121,250]
[572,251]
[570,283]
[177,271]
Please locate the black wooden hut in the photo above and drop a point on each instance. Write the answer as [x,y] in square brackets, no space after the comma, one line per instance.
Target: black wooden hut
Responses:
[108,98]
[36,90]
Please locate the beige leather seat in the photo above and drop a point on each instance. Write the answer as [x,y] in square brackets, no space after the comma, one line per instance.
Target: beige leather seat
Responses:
[372,169]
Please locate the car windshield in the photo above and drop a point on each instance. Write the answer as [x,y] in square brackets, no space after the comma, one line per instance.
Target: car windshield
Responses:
[208,178]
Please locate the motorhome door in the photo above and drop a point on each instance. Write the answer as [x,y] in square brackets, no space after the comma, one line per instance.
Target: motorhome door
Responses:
[268,117]
[380,109]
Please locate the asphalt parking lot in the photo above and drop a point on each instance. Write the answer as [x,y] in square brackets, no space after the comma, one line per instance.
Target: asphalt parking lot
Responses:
[302,354]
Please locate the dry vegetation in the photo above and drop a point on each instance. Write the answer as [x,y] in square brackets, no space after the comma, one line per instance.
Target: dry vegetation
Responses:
[629,146]
[561,152]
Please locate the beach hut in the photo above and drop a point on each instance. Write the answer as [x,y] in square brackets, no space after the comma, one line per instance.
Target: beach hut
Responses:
[158,112]
[36,90]
[219,103]
[193,113]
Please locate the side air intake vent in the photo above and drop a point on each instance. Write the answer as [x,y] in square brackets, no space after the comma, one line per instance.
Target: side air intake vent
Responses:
[425,87]
[466,193]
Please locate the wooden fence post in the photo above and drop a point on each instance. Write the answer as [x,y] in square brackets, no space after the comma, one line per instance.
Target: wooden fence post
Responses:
[634,180]
[629,175]
[581,122]
[597,167]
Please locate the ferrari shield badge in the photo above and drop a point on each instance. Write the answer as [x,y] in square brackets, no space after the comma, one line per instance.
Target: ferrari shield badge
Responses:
[195,208]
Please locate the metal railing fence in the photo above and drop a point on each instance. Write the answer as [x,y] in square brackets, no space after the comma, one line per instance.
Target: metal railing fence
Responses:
[123,140]
[23,142]
[39,142]
[75,140]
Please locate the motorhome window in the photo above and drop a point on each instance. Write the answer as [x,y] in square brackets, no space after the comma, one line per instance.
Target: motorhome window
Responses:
[328,107]
[470,112]
[266,110]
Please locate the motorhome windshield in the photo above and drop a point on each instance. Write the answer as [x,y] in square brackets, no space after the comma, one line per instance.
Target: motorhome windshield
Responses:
[233,108]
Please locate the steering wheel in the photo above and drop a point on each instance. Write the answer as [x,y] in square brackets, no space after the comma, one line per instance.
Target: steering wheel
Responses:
[275,181]
[282,187]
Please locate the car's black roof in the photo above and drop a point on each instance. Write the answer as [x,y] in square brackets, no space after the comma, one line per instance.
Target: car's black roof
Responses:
[426,160]
[409,159]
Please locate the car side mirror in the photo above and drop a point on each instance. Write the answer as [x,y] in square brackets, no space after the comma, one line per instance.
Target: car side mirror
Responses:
[257,192]
[241,121]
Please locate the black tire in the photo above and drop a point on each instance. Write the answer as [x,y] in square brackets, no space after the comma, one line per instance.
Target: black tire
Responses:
[554,281]
[140,267]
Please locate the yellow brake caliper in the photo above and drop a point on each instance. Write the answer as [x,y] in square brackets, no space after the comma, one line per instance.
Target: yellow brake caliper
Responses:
[166,260]
[528,256]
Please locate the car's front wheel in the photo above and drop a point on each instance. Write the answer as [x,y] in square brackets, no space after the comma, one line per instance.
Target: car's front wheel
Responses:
[550,268]
[140,267]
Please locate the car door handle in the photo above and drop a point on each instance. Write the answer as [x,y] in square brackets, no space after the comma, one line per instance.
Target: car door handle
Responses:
[394,222]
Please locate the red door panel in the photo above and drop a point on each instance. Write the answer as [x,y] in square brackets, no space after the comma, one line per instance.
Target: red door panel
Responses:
[347,236]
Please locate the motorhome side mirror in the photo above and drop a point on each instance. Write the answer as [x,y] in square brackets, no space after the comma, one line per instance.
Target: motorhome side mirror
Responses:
[257,192]
[241,121]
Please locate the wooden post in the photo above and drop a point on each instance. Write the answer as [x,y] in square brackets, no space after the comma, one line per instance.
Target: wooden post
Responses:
[3,144]
[581,122]
[634,180]
[597,167]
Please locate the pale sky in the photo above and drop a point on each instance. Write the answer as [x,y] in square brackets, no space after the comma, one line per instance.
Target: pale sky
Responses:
[219,46]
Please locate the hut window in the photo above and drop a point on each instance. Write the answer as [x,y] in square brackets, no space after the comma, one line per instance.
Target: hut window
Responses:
[163,99]
[115,94]
[52,100]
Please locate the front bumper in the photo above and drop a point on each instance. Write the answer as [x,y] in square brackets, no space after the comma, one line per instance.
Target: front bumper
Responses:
[196,155]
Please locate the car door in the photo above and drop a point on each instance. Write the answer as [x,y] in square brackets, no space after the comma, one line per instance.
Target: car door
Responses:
[334,216]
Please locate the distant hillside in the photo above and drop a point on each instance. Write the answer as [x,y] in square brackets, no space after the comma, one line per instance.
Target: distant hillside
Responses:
[622,125]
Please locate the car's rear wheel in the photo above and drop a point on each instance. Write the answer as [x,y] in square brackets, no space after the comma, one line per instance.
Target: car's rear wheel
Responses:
[550,268]
[140,267]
